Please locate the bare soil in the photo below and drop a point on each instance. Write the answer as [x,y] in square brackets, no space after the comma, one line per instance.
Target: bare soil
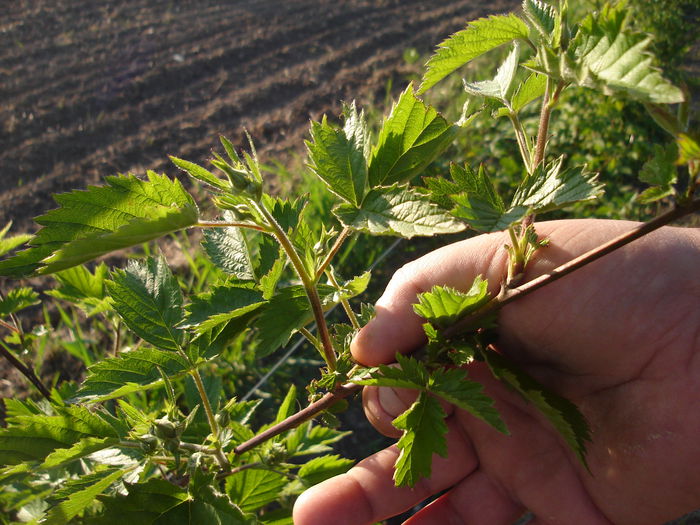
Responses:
[89,89]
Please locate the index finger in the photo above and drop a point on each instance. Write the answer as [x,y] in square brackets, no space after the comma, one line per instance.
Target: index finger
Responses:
[366,493]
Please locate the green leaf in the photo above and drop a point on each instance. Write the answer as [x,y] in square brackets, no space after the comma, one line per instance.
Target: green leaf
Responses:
[542,16]
[288,406]
[480,36]
[17,299]
[397,210]
[148,298]
[550,188]
[228,249]
[443,306]
[502,84]
[254,488]
[340,160]
[202,174]
[689,148]
[126,212]
[223,303]
[410,139]
[561,413]
[309,439]
[287,311]
[410,373]
[424,430]
[10,243]
[356,129]
[607,56]
[530,89]
[65,511]
[132,371]
[81,449]
[205,505]
[34,437]
[143,504]
[322,468]
[83,288]
[660,172]
[479,203]
[453,386]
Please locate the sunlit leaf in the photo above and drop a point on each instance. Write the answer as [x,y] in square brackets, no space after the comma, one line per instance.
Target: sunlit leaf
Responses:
[148,298]
[410,139]
[480,36]
[399,211]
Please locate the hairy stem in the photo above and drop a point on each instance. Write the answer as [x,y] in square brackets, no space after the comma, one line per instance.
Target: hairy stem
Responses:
[26,371]
[225,224]
[300,417]
[345,303]
[543,129]
[342,237]
[221,458]
[309,286]
[522,141]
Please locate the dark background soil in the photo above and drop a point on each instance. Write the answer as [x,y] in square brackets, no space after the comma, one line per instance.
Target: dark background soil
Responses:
[89,89]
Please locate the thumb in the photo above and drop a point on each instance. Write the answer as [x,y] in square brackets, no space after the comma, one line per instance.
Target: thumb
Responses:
[396,327]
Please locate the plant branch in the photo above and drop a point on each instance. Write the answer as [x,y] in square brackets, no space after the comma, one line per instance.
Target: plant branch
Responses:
[300,417]
[26,371]
[309,286]
[9,326]
[508,295]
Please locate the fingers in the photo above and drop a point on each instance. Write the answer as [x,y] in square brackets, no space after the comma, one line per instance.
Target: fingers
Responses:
[476,501]
[382,405]
[366,493]
[396,328]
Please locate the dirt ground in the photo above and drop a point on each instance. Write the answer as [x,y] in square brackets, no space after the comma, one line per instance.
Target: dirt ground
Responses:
[89,89]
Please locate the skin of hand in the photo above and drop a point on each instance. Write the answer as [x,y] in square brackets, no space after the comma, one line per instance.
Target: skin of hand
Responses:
[619,337]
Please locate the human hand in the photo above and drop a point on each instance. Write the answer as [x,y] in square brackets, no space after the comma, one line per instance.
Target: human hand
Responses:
[620,338]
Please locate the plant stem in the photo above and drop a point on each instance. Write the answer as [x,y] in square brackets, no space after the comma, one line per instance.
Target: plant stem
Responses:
[522,141]
[300,417]
[224,224]
[9,326]
[26,371]
[334,250]
[345,303]
[221,458]
[543,128]
[310,337]
[309,286]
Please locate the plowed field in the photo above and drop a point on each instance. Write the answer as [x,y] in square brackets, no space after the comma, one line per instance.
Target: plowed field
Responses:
[95,88]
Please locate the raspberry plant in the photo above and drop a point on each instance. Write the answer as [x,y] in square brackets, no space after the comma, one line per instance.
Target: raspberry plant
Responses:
[99,456]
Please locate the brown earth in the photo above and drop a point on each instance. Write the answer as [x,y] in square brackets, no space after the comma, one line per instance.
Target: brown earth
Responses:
[89,89]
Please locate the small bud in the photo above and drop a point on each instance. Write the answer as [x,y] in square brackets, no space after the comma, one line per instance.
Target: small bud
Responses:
[149,443]
[165,429]
[222,419]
